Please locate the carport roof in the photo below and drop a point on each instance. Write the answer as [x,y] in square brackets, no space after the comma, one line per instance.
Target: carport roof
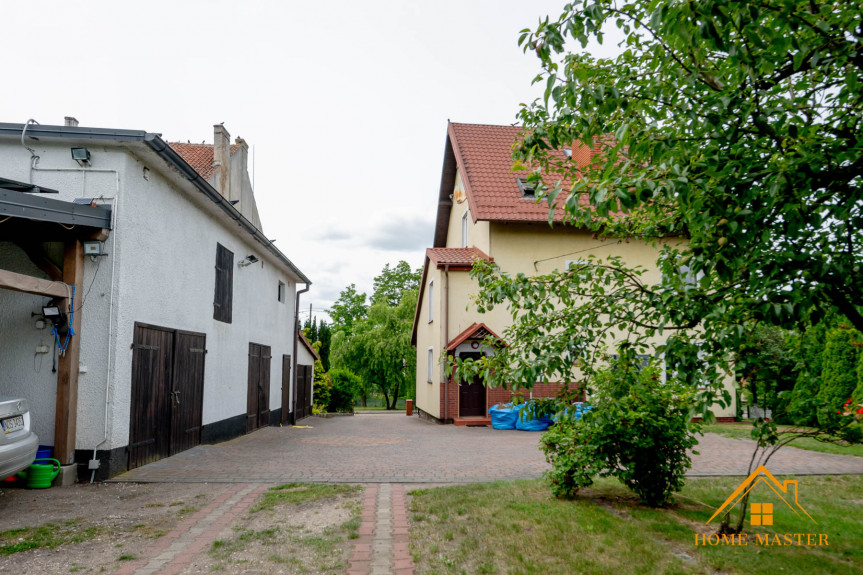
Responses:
[14,203]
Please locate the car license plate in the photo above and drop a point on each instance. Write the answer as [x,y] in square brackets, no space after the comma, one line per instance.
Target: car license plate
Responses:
[13,424]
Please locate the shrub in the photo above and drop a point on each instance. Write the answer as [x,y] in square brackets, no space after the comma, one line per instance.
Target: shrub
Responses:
[638,431]
[808,350]
[345,386]
[838,374]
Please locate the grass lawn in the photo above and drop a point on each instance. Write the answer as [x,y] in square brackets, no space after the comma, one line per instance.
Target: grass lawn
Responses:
[743,431]
[519,528]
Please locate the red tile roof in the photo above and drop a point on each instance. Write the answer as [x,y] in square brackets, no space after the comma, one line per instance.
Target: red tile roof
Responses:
[484,156]
[199,156]
[455,256]
[474,331]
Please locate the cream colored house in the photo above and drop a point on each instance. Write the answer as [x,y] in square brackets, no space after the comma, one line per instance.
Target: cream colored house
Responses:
[486,211]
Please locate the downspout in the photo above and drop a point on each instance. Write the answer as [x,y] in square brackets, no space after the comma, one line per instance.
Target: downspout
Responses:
[446,334]
[296,343]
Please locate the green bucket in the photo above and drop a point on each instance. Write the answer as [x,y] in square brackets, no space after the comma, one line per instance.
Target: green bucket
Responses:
[40,475]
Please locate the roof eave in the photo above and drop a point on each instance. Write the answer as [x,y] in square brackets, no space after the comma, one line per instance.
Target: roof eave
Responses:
[158,145]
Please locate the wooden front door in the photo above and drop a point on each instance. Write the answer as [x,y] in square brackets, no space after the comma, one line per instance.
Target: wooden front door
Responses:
[258,398]
[187,393]
[286,388]
[167,392]
[303,392]
[471,395]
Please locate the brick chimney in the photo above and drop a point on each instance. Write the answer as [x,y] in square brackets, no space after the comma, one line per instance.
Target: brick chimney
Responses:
[71,121]
[222,158]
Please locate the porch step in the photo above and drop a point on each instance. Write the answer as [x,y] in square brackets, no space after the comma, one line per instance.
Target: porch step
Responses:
[477,421]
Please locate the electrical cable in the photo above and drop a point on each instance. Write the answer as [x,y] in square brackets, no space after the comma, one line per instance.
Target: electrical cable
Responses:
[90,287]
[575,252]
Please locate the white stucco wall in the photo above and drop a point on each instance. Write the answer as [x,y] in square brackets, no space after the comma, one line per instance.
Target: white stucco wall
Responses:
[162,255]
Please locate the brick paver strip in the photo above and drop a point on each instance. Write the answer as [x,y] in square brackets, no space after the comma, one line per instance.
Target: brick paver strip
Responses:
[382,548]
[391,449]
[171,553]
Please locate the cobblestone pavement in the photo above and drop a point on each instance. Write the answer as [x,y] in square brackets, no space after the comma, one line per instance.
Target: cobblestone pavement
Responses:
[392,448]
[386,452]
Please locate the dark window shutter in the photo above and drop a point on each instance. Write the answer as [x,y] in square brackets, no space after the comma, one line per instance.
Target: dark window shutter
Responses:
[222,301]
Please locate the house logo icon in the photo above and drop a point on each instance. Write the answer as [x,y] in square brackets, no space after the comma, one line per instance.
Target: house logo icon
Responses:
[762,513]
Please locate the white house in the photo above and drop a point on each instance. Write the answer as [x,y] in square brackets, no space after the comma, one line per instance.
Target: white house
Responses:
[184,313]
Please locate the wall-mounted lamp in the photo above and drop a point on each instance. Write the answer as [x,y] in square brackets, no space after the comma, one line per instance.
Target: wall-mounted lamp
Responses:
[52,313]
[81,155]
[249,260]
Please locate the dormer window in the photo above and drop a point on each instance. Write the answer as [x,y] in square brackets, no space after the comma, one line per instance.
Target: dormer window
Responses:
[527,189]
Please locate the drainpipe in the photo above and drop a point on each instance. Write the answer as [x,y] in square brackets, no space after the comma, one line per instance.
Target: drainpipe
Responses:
[296,342]
[446,334]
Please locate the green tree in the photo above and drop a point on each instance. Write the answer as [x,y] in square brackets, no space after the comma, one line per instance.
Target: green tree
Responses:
[738,125]
[348,309]
[838,374]
[766,369]
[808,349]
[391,284]
[734,125]
[380,351]
[374,342]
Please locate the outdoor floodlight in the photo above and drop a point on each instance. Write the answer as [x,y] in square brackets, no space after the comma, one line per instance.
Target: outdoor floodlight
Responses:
[81,155]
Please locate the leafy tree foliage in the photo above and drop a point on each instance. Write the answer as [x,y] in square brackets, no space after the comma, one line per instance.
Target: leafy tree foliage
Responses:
[374,342]
[839,374]
[393,282]
[379,351]
[808,349]
[315,330]
[348,309]
[766,369]
[345,387]
[735,124]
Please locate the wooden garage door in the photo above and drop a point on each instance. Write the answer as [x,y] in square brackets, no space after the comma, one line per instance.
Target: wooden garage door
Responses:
[187,395]
[167,392]
[258,398]
[303,392]
[286,388]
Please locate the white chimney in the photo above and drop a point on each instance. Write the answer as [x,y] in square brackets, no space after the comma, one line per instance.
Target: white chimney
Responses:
[222,158]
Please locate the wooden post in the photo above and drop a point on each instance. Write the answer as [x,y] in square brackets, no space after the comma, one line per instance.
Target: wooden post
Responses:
[67,369]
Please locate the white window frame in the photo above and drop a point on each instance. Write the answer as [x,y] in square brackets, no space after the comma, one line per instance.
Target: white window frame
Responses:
[430,364]
[431,301]
[464,228]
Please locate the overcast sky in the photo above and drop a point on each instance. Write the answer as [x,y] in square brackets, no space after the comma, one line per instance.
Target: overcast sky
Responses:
[345,103]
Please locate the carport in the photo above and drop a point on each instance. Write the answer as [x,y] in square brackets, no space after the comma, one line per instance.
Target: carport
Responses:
[52,233]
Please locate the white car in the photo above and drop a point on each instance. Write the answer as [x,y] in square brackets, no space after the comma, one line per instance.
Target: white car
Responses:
[18,444]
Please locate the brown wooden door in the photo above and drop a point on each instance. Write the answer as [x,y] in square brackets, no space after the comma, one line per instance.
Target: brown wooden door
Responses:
[471,395]
[150,421]
[167,392]
[300,393]
[258,397]
[286,388]
[187,394]
[310,378]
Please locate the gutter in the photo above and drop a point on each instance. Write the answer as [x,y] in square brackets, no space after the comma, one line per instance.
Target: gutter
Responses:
[296,343]
[446,336]
[161,147]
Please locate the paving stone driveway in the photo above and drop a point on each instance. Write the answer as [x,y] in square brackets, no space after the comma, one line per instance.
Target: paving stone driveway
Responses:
[393,448]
